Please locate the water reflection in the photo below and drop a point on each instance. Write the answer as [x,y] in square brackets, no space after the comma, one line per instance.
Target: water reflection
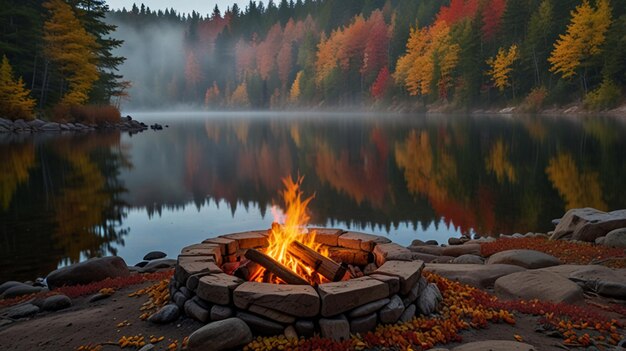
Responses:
[66,198]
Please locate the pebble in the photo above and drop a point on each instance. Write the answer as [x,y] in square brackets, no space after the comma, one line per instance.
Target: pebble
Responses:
[56,302]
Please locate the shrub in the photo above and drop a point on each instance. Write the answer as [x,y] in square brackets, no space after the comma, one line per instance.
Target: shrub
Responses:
[605,97]
[535,100]
[89,114]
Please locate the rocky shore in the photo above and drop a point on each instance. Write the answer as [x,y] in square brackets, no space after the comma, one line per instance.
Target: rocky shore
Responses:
[564,289]
[39,126]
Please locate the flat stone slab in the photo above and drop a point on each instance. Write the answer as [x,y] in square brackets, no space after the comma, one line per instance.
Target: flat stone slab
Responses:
[587,224]
[361,241]
[392,282]
[272,314]
[530,259]
[229,246]
[339,297]
[409,272]
[261,325]
[368,308]
[249,240]
[189,265]
[478,275]
[458,250]
[295,300]
[217,288]
[427,249]
[536,284]
[326,236]
[391,251]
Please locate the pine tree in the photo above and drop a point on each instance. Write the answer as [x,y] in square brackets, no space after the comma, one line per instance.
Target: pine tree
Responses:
[72,49]
[15,100]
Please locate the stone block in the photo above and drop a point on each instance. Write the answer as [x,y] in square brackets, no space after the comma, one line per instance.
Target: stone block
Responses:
[361,241]
[272,314]
[203,250]
[326,236]
[337,329]
[260,325]
[189,265]
[295,300]
[249,240]
[392,282]
[368,308]
[363,324]
[229,246]
[217,288]
[409,273]
[339,297]
[391,251]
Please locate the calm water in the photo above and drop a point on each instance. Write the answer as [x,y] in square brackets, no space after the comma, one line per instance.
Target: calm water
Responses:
[64,198]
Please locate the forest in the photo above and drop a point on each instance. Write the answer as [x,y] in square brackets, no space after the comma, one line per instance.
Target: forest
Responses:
[454,54]
[392,54]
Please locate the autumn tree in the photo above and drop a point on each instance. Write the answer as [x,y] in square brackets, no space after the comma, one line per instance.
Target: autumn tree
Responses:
[381,84]
[68,45]
[582,41]
[492,18]
[15,100]
[501,67]
[294,93]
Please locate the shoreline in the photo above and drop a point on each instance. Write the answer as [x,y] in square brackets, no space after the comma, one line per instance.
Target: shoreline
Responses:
[20,126]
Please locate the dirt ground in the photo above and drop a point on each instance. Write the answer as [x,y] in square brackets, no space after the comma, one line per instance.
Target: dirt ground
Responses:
[90,323]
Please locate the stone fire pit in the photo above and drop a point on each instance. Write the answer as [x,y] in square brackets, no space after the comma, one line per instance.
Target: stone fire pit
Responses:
[390,289]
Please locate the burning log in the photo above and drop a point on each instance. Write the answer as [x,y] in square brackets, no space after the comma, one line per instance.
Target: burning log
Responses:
[275,267]
[324,266]
[247,270]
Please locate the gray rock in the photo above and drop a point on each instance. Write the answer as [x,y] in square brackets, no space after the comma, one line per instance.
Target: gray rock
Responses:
[6,123]
[530,259]
[179,299]
[92,270]
[4,322]
[141,264]
[429,300]
[219,312]
[204,304]
[20,290]
[261,325]
[480,276]
[162,263]
[154,255]
[9,284]
[616,238]
[468,259]
[415,291]
[408,313]
[417,242]
[337,328]
[50,126]
[363,324]
[368,308]
[185,291]
[36,123]
[431,242]
[587,224]
[197,312]
[166,314]
[227,334]
[457,241]
[427,258]
[98,297]
[600,240]
[392,311]
[56,302]
[305,327]
[538,284]
[22,311]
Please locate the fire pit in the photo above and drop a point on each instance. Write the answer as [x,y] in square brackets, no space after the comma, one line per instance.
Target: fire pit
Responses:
[293,281]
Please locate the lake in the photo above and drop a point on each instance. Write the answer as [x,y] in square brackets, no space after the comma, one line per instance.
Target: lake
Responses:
[68,197]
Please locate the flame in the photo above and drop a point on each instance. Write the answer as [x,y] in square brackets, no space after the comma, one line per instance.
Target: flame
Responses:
[289,226]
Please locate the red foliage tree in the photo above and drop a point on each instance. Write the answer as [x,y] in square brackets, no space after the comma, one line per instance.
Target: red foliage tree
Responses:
[376,48]
[379,88]
[492,18]
[458,10]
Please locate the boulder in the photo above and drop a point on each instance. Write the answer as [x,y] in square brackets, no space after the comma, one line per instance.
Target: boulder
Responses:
[468,259]
[587,224]
[56,302]
[166,314]
[392,311]
[363,324]
[495,345]
[537,284]
[227,334]
[408,313]
[22,311]
[20,290]
[9,284]
[615,238]
[428,302]
[154,255]
[92,270]
[602,280]
[600,240]
[529,259]
[458,250]
[337,329]
[478,275]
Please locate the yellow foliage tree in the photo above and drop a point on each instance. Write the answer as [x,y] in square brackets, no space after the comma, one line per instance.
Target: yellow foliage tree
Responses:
[498,162]
[239,98]
[69,46]
[502,65]
[579,189]
[583,40]
[427,49]
[15,100]
[294,93]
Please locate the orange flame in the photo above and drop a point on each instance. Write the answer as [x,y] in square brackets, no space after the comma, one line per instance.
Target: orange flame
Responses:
[289,227]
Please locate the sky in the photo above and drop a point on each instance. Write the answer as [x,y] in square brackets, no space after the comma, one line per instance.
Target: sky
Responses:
[184,6]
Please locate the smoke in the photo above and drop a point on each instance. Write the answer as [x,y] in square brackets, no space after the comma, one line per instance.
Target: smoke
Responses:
[155,61]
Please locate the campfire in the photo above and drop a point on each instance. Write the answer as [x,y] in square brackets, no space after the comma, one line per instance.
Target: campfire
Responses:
[292,255]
